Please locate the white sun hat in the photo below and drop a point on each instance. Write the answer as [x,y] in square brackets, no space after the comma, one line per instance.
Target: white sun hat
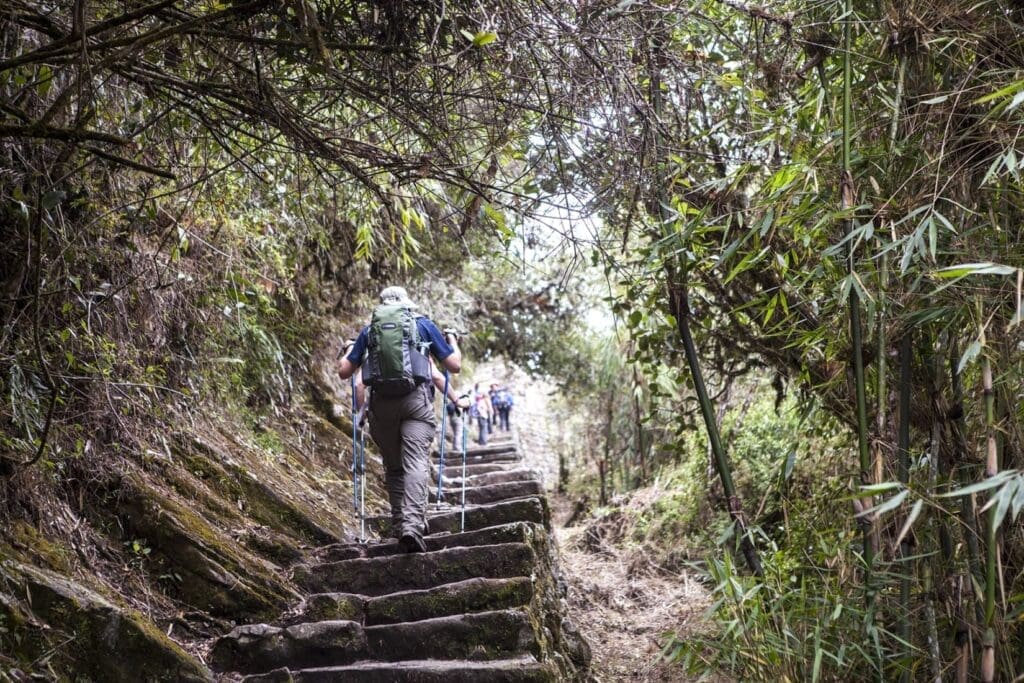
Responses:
[396,295]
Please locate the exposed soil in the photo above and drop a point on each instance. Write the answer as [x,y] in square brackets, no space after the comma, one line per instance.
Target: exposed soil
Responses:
[625,607]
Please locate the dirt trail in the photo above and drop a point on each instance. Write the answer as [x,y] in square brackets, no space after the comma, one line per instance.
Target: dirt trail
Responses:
[622,605]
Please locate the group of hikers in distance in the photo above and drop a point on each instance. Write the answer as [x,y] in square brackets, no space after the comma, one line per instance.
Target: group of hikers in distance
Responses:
[396,354]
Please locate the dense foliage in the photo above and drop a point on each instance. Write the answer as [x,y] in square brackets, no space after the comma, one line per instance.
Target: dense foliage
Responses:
[825,198]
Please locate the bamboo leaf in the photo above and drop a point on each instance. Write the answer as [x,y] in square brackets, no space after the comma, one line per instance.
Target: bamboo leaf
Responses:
[887,506]
[984,485]
[875,489]
[966,269]
[484,38]
[1002,93]
[911,518]
[970,353]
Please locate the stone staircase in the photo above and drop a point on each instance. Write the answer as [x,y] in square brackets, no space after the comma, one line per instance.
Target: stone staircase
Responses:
[482,604]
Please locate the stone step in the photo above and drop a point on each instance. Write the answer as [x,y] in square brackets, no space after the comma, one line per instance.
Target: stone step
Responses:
[452,468]
[478,450]
[448,519]
[480,636]
[489,493]
[462,597]
[517,532]
[525,669]
[453,461]
[453,477]
[383,575]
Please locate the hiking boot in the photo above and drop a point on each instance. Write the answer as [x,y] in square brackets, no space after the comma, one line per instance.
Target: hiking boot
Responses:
[411,543]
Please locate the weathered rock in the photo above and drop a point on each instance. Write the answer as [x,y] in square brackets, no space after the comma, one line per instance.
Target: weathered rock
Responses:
[258,647]
[262,502]
[525,669]
[88,634]
[463,597]
[331,607]
[381,575]
[215,574]
[490,493]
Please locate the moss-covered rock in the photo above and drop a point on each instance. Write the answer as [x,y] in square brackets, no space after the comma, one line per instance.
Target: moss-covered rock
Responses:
[211,572]
[87,635]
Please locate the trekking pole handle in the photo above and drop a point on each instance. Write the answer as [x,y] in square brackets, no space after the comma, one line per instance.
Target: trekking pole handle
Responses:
[452,332]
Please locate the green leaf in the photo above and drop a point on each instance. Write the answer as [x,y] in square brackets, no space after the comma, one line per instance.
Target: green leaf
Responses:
[914,512]
[484,38]
[984,485]
[986,268]
[887,506]
[970,353]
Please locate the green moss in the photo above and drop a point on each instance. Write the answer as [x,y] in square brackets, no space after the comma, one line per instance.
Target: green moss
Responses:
[50,554]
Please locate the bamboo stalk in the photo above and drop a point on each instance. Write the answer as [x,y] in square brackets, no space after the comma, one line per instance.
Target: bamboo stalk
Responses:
[846,204]
[678,295]
[968,518]
[988,651]
[903,474]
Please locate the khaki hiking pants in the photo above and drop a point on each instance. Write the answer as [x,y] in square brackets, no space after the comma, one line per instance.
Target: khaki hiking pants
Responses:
[403,428]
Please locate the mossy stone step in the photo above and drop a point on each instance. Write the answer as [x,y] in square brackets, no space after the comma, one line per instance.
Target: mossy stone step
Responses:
[489,493]
[477,516]
[383,575]
[453,477]
[462,597]
[516,532]
[525,669]
[484,635]
[479,636]
[260,647]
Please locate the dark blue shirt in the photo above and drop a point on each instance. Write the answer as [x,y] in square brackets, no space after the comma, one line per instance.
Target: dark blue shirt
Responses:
[428,333]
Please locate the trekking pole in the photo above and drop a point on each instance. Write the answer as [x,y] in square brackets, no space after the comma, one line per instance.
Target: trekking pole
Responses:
[465,428]
[362,481]
[355,447]
[444,414]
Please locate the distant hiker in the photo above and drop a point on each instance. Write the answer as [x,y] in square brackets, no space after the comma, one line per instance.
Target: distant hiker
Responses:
[493,420]
[394,353]
[458,409]
[503,403]
[481,411]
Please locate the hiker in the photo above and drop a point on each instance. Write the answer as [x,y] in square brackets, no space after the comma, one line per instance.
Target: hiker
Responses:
[481,410]
[394,353]
[458,408]
[503,403]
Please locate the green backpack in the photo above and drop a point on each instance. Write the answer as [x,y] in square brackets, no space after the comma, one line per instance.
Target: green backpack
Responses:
[396,360]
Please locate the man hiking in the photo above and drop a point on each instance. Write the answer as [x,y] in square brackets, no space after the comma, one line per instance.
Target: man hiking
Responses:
[394,353]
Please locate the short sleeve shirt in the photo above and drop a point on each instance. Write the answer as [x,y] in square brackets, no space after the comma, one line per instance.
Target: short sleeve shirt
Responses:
[428,332]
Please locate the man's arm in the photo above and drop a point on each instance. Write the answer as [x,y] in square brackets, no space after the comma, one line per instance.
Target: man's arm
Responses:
[354,350]
[346,368]
[453,361]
